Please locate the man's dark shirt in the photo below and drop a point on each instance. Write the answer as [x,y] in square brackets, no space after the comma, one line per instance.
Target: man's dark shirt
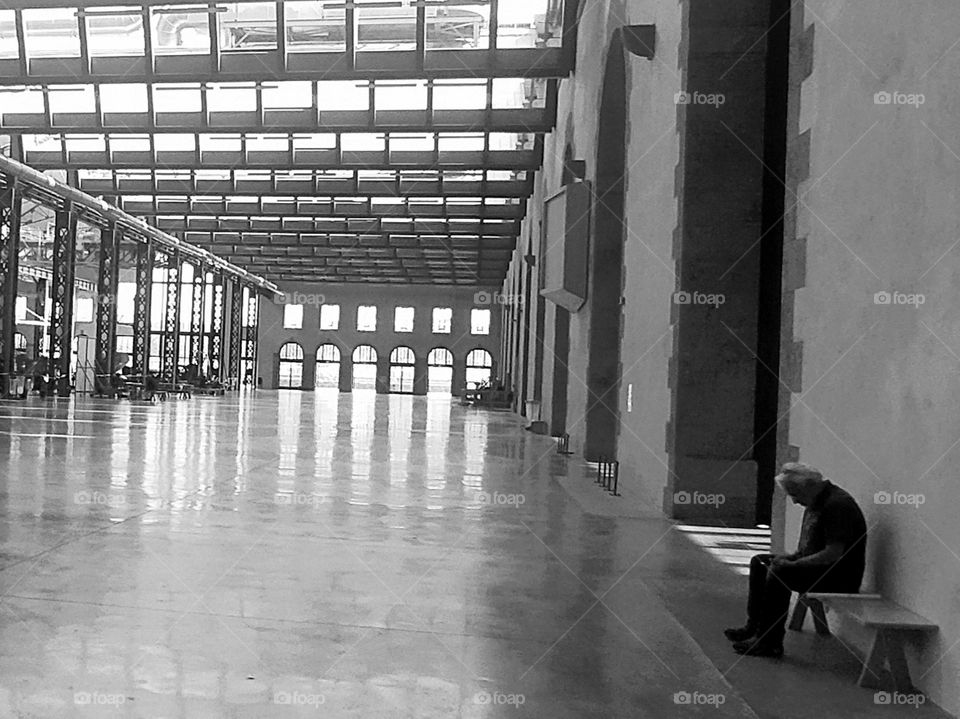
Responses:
[834,517]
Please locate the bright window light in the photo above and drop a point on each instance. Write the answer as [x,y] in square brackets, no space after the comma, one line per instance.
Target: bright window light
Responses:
[403,319]
[442,320]
[293,317]
[366,318]
[84,309]
[480,322]
[330,317]
[126,300]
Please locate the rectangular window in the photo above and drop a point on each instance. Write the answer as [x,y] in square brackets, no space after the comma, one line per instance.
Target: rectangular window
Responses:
[403,319]
[126,302]
[125,344]
[366,318]
[479,322]
[83,310]
[442,320]
[330,317]
[293,317]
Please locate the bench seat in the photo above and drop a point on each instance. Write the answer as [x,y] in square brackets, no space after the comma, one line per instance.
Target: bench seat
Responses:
[890,623]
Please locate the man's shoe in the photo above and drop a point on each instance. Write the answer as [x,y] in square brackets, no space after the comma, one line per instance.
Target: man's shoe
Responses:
[739,634]
[758,648]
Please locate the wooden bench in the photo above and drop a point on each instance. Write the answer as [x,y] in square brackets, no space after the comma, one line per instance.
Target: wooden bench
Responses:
[890,623]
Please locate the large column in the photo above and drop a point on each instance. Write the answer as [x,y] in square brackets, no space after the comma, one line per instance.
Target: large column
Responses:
[62,291]
[383,373]
[141,309]
[171,321]
[216,326]
[106,344]
[346,370]
[9,276]
[713,373]
[251,334]
[196,316]
[420,375]
[236,320]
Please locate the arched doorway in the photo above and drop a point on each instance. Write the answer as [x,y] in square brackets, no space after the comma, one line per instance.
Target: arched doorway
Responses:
[606,263]
[479,368]
[402,370]
[440,371]
[291,366]
[328,367]
[365,367]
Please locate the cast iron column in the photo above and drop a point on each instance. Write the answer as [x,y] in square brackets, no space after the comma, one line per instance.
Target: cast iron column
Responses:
[141,309]
[216,327]
[236,319]
[171,321]
[9,277]
[197,316]
[61,314]
[107,302]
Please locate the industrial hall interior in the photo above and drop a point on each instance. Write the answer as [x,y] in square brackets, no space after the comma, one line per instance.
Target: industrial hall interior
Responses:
[479,359]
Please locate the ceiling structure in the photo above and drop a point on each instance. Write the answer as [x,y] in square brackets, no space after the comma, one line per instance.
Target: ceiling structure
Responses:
[367,140]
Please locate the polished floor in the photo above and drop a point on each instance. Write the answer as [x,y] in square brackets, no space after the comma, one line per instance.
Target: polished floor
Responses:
[292,554]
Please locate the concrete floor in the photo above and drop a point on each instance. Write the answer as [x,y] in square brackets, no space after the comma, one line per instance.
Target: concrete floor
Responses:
[356,556]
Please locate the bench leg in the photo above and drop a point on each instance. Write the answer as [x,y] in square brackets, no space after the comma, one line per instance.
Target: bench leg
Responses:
[799,614]
[898,662]
[873,667]
[819,617]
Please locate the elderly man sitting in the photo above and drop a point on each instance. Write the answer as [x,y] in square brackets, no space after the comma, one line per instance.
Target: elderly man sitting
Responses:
[829,558]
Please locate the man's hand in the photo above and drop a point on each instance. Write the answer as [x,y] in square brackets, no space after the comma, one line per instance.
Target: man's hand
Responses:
[780,562]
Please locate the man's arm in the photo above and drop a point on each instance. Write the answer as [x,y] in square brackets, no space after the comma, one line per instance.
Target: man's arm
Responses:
[825,557]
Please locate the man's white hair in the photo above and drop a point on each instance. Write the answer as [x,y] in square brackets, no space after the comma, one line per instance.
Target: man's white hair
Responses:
[799,474]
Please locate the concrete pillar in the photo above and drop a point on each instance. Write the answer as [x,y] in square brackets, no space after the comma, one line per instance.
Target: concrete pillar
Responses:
[713,374]
[383,373]
[346,373]
[420,374]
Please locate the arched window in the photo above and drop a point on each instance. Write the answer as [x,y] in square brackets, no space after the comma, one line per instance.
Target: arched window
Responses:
[440,357]
[479,368]
[440,371]
[364,367]
[328,366]
[402,370]
[291,366]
